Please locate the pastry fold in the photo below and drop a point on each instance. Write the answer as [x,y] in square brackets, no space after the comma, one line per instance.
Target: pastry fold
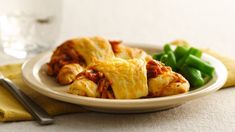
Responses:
[68,73]
[95,48]
[128,77]
[84,87]
[167,83]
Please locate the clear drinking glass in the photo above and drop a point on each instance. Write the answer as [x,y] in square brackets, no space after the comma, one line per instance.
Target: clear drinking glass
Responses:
[29,26]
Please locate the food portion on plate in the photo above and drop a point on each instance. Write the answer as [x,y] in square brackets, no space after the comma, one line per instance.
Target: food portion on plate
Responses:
[96,67]
[187,61]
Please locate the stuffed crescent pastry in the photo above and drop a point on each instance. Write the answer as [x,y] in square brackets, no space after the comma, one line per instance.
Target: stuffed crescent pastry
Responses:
[68,73]
[96,67]
[128,78]
[92,49]
[80,51]
[162,81]
[125,52]
[84,87]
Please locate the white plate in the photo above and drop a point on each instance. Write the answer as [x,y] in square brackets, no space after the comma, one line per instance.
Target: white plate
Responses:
[34,74]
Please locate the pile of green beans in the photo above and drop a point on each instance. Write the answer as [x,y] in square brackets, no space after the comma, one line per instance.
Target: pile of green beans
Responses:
[187,61]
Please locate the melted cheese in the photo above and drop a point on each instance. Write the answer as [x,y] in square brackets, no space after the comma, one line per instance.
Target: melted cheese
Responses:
[128,77]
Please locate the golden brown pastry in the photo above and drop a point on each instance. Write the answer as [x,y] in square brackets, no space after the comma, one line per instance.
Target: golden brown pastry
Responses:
[80,51]
[84,87]
[92,83]
[168,83]
[163,81]
[95,48]
[68,73]
[63,55]
[128,78]
[107,69]
[124,52]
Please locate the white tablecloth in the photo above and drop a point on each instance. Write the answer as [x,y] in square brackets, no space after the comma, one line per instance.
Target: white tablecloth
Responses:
[204,23]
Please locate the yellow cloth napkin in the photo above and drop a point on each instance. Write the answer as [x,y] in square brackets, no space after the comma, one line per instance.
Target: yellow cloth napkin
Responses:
[229,64]
[12,110]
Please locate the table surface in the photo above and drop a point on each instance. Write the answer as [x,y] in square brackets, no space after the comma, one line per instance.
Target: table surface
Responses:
[214,112]
[160,22]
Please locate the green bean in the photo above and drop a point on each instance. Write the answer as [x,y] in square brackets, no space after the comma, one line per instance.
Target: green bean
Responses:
[200,65]
[164,58]
[206,77]
[167,48]
[171,61]
[195,52]
[187,61]
[180,51]
[158,56]
[191,51]
[193,76]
